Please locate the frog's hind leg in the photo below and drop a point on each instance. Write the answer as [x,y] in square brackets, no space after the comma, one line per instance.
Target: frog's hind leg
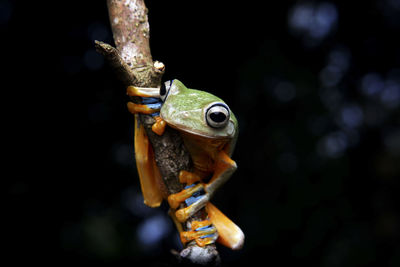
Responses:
[149,174]
[197,196]
[224,167]
[230,235]
[194,197]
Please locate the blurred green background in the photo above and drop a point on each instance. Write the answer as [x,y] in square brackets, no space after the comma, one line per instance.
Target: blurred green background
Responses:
[315,86]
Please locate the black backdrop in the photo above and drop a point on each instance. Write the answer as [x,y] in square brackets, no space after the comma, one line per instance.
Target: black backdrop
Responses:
[315,87]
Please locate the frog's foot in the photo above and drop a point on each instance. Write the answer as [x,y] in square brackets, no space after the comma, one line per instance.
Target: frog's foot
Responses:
[203,232]
[175,199]
[151,105]
[159,126]
[151,102]
[195,198]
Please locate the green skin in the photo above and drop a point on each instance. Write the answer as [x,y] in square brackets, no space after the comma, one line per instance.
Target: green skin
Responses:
[184,109]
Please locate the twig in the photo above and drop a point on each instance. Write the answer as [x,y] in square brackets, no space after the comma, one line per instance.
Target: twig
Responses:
[133,63]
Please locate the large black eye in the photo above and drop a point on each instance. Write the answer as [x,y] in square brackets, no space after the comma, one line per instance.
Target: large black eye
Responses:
[217,115]
[164,90]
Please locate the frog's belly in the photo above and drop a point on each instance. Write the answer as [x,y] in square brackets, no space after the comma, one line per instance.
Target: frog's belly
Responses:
[203,152]
[203,164]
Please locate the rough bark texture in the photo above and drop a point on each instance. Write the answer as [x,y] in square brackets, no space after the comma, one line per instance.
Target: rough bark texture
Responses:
[133,63]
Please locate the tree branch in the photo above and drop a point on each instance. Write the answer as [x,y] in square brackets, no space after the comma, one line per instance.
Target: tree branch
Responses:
[133,63]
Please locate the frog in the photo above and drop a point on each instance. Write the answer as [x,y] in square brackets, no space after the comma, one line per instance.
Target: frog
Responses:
[209,131]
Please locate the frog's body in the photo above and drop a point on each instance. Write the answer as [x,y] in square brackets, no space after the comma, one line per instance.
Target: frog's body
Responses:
[204,152]
[209,131]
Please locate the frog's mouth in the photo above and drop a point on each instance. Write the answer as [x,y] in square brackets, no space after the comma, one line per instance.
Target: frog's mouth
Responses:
[228,132]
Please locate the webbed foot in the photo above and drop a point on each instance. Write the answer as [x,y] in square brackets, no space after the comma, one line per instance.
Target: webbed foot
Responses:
[196,197]
[175,199]
[199,202]
[203,232]
[151,105]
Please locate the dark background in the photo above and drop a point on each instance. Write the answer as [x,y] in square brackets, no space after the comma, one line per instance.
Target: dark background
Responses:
[315,87]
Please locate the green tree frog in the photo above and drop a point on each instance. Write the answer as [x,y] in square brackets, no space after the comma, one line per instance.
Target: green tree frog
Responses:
[209,131]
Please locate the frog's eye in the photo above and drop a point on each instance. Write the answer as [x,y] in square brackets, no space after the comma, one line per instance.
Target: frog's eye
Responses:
[217,115]
[164,90]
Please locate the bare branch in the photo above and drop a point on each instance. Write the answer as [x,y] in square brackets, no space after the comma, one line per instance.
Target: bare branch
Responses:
[113,57]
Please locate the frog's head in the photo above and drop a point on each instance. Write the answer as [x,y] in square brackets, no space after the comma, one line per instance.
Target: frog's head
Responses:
[196,112]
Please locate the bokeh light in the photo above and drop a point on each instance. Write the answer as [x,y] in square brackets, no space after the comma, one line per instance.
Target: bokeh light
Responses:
[152,230]
[313,21]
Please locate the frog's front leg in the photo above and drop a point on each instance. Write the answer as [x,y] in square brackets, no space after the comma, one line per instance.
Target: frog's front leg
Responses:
[224,168]
[151,105]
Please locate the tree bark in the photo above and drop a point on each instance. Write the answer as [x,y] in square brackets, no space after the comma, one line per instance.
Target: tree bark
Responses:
[133,63]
